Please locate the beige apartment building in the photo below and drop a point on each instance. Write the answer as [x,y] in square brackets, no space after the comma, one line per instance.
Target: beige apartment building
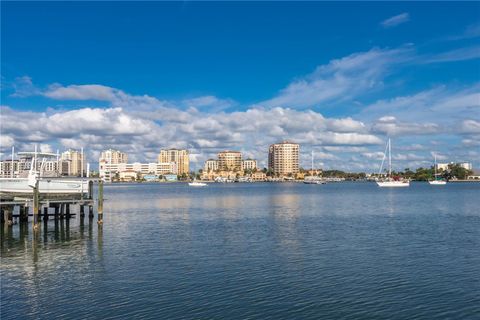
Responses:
[177,156]
[230,161]
[108,158]
[249,164]
[76,160]
[211,165]
[283,158]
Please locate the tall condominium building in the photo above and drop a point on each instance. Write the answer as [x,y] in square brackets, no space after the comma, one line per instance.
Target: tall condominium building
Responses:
[283,158]
[110,157]
[249,164]
[76,160]
[179,157]
[229,161]
[211,165]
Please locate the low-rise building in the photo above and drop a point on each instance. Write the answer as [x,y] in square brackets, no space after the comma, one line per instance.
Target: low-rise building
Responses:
[258,176]
[118,170]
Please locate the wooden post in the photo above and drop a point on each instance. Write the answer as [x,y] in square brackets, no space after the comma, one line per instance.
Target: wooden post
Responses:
[90,211]
[36,205]
[56,208]
[100,202]
[45,213]
[67,210]
[9,214]
[82,211]
[90,190]
[22,213]
[62,211]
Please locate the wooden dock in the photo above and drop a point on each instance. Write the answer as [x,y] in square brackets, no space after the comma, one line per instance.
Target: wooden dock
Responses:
[45,206]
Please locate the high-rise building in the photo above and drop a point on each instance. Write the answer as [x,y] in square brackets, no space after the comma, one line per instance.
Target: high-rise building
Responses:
[179,157]
[283,158]
[211,165]
[110,157]
[249,164]
[230,161]
[76,160]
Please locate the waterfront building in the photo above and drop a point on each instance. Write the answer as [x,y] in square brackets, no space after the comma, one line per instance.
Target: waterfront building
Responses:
[125,170]
[19,168]
[258,176]
[249,164]
[179,157]
[9,168]
[211,165]
[445,166]
[113,156]
[77,162]
[108,158]
[229,161]
[283,158]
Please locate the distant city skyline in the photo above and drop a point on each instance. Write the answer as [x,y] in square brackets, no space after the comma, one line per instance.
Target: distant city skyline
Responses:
[338,78]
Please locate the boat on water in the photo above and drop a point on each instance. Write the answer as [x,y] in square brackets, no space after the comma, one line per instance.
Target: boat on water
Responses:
[33,174]
[197,184]
[390,181]
[437,181]
[313,179]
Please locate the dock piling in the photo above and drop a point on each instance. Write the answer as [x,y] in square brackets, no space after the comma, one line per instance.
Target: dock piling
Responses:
[67,211]
[100,202]
[36,205]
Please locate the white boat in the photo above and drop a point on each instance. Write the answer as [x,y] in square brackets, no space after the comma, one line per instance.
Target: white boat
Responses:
[390,181]
[59,186]
[24,184]
[197,184]
[437,182]
[313,179]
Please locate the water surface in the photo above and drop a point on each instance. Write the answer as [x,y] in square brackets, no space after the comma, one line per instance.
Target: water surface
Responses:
[253,251]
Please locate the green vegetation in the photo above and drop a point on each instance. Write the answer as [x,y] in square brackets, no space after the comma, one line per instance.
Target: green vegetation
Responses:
[454,171]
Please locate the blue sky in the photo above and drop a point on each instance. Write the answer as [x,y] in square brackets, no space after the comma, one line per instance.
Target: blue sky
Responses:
[336,77]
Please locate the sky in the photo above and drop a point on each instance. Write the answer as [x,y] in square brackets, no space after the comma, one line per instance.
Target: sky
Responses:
[338,78]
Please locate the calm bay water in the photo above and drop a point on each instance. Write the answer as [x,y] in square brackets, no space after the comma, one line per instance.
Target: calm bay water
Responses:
[253,251]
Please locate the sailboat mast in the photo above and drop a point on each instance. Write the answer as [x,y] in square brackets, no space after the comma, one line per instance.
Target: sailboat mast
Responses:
[435,165]
[312,162]
[389,157]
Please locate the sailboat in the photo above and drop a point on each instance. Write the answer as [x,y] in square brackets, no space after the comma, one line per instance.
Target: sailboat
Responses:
[436,181]
[312,179]
[389,181]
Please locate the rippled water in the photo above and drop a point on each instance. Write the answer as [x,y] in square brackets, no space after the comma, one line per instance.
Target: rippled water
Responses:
[253,251]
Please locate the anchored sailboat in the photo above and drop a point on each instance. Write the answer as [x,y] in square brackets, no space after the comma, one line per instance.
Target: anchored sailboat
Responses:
[390,181]
[437,181]
[312,179]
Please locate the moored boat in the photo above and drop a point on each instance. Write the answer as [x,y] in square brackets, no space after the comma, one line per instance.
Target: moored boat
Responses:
[390,181]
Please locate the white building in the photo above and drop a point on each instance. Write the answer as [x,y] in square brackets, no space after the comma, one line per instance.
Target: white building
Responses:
[444,166]
[117,170]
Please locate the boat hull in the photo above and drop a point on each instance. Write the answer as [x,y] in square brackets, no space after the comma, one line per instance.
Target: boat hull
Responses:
[437,183]
[393,184]
[20,186]
[197,184]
